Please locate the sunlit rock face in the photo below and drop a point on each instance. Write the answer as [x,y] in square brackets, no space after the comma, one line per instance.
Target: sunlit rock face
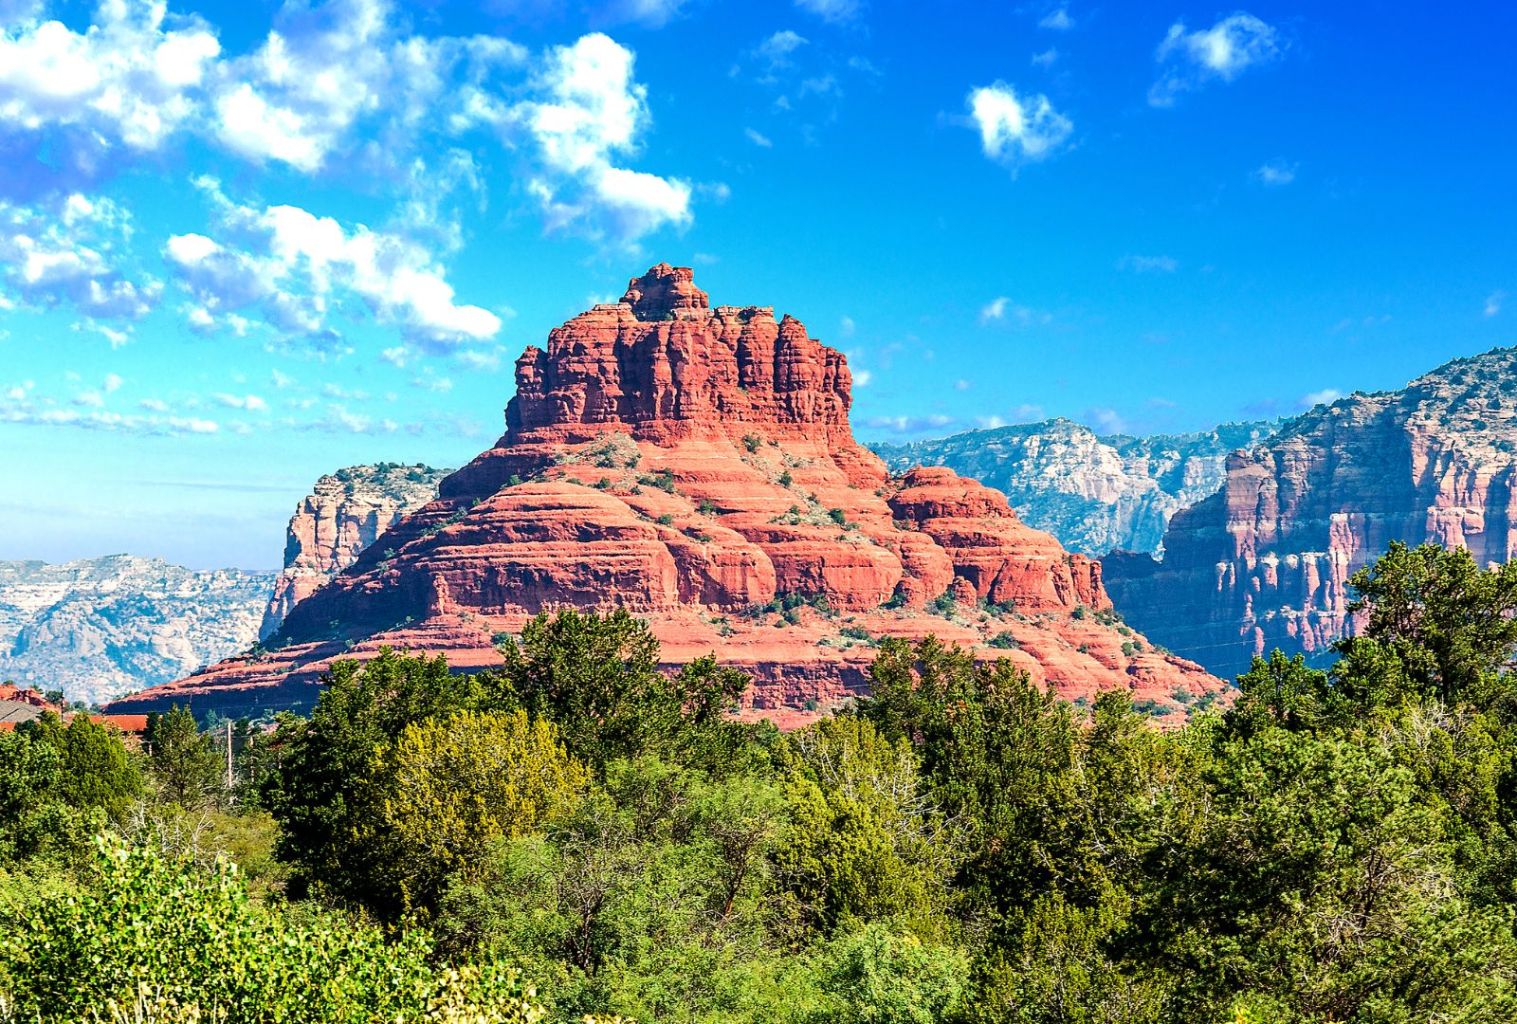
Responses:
[1265,561]
[694,464]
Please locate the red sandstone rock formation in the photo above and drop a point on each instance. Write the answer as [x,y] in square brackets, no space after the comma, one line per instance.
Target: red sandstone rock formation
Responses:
[695,465]
[345,513]
[1265,561]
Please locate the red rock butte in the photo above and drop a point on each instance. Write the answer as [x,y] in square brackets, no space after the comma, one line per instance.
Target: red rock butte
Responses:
[695,465]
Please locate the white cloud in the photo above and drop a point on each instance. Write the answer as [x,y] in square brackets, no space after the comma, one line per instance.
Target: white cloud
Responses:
[962,384]
[477,360]
[1149,264]
[758,139]
[429,381]
[846,327]
[67,252]
[248,403]
[281,381]
[1046,58]
[1493,302]
[294,264]
[1058,20]
[1275,174]
[128,78]
[1002,310]
[836,11]
[1326,396]
[591,114]
[88,413]
[1224,51]
[861,378]
[322,72]
[777,49]
[112,383]
[1017,129]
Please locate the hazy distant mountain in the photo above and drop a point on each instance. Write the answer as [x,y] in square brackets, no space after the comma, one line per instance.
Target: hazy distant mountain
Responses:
[1096,494]
[101,627]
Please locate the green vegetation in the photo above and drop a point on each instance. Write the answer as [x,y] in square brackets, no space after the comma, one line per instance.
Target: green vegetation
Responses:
[580,833]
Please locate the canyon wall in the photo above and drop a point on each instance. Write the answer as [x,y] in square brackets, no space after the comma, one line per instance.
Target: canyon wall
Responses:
[1265,561]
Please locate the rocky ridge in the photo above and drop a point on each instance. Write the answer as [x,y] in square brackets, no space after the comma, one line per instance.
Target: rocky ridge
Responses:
[98,628]
[1265,561]
[1094,493]
[345,513]
[695,465]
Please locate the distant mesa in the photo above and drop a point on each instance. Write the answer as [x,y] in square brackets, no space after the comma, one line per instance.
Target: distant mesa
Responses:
[695,465]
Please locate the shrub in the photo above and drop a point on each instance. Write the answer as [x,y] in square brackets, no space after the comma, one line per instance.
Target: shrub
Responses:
[160,939]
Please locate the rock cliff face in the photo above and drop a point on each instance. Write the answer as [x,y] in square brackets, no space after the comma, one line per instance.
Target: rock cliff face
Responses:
[695,465]
[102,627]
[1095,494]
[1265,561]
[345,512]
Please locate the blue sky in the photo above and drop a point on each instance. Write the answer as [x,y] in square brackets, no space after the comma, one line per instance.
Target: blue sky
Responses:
[244,244]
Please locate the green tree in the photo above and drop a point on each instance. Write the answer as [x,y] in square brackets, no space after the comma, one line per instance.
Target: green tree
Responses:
[646,900]
[873,976]
[95,769]
[598,677]
[185,766]
[864,842]
[455,787]
[323,784]
[1000,757]
[1437,625]
[1316,874]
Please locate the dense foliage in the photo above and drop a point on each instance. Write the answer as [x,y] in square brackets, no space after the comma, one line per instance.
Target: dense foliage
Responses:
[580,833]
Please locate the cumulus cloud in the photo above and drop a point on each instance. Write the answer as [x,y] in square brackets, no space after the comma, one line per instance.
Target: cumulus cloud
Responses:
[129,78]
[1275,174]
[335,81]
[861,378]
[295,264]
[758,138]
[589,116]
[1493,302]
[1222,52]
[247,403]
[1105,420]
[1017,129]
[69,251]
[1045,58]
[323,70]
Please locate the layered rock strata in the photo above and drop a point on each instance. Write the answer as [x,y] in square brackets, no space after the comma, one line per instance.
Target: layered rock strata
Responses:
[695,465]
[1265,561]
[1095,493]
[346,512]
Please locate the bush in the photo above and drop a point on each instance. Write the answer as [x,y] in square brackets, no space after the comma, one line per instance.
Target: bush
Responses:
[183,943]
